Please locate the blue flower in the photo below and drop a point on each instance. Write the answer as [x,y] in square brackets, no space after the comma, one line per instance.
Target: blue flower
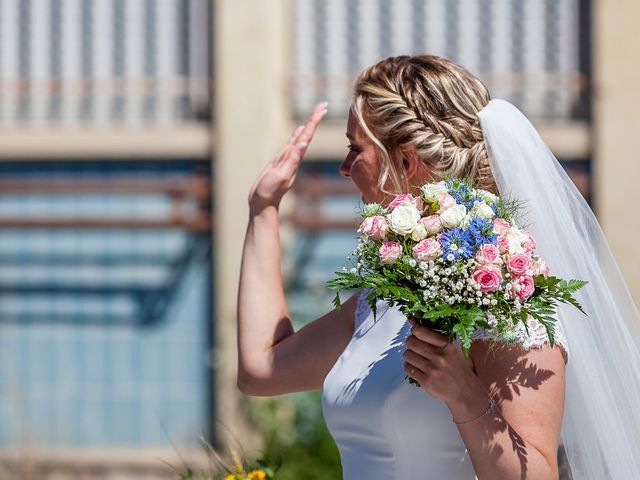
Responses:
[458,243]
[459,190]
[481,232]
[472,201]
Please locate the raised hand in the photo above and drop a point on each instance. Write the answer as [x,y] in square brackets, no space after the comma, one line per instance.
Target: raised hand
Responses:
[278,175]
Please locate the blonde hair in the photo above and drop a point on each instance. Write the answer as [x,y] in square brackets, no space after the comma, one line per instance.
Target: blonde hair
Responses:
[431,103]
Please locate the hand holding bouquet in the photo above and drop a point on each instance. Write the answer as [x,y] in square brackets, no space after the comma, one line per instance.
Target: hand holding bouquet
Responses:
[455,259]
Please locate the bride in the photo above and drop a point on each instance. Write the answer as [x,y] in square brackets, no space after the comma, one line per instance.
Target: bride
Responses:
[501,412]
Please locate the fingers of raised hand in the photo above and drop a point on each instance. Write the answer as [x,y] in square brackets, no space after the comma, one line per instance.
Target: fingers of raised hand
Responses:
[301,136]
[296,133]
[305,136]
[290,148]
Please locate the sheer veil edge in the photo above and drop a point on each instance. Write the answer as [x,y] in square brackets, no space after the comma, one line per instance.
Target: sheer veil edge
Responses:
[601,426]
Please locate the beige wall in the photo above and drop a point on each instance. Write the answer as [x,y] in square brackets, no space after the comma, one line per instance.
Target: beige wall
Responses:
[616,60]
[250,127]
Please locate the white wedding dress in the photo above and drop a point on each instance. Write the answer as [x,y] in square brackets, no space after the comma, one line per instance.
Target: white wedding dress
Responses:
[386,428]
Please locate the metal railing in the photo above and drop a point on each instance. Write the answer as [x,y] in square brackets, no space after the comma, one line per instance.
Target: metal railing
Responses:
[531,52]
[188,197]
[104,61]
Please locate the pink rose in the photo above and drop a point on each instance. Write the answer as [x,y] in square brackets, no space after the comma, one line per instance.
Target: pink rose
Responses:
[375,227]
[526,287]
[431,224]
[501,226]
[488,253]
[540,267]
[488,277]
[426,250]
[407,197]
[530,244]
[445,201]
[503,244]
[519,263]
[390,252]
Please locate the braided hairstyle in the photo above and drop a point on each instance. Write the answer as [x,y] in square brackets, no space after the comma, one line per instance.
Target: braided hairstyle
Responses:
[431,103]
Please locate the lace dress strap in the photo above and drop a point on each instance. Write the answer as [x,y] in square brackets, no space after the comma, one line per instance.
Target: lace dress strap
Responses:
[536,338]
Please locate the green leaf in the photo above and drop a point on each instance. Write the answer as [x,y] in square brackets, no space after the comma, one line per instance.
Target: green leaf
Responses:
[572,286]
[336,301]
[466,327]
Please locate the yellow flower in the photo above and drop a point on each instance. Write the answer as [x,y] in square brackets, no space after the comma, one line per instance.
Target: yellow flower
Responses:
[230,477]
[257,475]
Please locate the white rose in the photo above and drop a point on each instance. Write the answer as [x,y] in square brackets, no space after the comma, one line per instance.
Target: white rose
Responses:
[488,196]
[430,191]
[483,210]
[452,216]
[419,232]
[404,218]
[516,238]
[466,221]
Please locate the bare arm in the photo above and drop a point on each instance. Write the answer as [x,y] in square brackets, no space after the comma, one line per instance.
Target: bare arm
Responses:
[521,440]
[272,358]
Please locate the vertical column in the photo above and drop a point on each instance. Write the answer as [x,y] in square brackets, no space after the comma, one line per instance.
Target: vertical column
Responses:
[616,105]
[552,45]
[103,79]
[134,63]
[533,59]
[369,39]
[8,61]
[501,85]
[199,56]
[400,28]
[336,55]
[166,59]
[436,29]
[469,32]
[250,47]
[40,55]
[304,26]
[568,54]
[71,58]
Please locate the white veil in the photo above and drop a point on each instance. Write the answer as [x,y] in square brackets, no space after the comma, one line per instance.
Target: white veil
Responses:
[601,426]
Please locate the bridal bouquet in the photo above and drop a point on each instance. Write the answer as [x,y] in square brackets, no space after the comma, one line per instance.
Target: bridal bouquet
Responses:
[455,259]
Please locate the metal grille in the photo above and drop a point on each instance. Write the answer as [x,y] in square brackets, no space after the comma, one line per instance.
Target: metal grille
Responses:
[104,61]
[104,306]
[526,51]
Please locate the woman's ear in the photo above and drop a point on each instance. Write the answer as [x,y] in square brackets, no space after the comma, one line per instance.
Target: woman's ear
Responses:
[411,162]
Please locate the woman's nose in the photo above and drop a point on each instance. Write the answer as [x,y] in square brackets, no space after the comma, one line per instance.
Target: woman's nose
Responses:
[345,166]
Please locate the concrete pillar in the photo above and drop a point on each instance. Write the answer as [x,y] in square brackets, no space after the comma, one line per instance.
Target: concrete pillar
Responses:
[250,126]
[616,107]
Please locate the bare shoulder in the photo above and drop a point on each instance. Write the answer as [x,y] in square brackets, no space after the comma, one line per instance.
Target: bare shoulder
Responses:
[500,363]
[529,387]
